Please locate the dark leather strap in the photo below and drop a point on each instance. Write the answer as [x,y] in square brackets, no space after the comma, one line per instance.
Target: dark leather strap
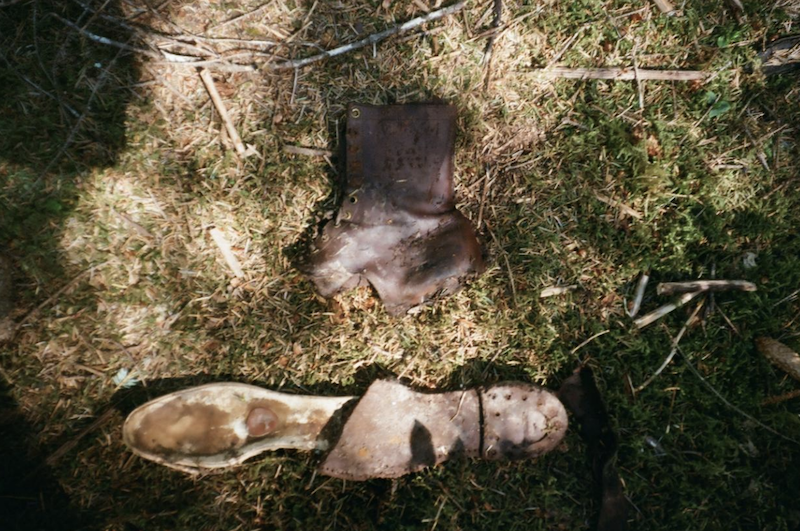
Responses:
[580,395]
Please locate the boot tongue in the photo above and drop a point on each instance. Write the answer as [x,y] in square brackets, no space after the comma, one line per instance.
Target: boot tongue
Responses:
[401,156]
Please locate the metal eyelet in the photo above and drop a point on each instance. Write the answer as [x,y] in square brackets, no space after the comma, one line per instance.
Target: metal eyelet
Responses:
[355,112]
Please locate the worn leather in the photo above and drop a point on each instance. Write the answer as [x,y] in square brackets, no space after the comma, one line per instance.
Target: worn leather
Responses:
[397,227]
[394,430]
[223,424]
[580,395]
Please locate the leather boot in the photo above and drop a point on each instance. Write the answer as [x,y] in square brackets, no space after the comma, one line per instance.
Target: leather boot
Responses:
[390,431]
[397,227]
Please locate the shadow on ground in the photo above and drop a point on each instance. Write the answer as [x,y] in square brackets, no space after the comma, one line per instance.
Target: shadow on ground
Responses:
[63,109]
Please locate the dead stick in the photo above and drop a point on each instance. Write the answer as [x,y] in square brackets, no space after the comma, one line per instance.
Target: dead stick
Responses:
[556,290]
[626,74]
[53,458]
[670,288]
[657,314]
[508,264]
[780,398]
[665,6]
[672,352]
[372,39]
[308,152]
[620,205]
[487,54]
[58,293]
[208,81]
[225,248]
[639,295]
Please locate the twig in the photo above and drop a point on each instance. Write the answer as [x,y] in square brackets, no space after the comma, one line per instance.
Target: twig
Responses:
[372,39]
[620,205]
[657,314]
[208,81]
[485,193]
[639,295]
[508,264]
[163,56]
[780,398]
[557,57]
[309,152]
[53,458]
[759,154]
[50,95]
[240,17]
[225,248]
[670,288]
[792,296]
[101,81]
[736,409]
[672,352]
[488,51]
[138,228]
[617,73]
[69,285]
[725,317]
[638,77]
[665,6]
[107,41]
[556,290]
[598,334]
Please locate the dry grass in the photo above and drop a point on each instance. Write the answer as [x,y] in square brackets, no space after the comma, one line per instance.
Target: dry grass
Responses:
[160,304]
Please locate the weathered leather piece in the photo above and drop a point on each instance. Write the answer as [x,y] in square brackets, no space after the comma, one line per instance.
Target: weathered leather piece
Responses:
[521,421]
[580,395]
[397,227]
[394,430]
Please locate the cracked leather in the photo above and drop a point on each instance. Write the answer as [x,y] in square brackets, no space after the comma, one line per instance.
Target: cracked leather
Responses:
[394,430]
[397,227]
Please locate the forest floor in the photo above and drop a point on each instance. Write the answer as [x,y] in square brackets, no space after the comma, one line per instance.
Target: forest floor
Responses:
[115,167]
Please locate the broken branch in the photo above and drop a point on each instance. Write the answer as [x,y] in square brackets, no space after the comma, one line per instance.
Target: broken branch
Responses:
[639,295]
[616,73]
[657,314]
[208,81]
[308,152]
[672,352]
[780,398]
[620,205]
[665,6]
[556,290]
[225,248]
[372,39]
[670,288]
